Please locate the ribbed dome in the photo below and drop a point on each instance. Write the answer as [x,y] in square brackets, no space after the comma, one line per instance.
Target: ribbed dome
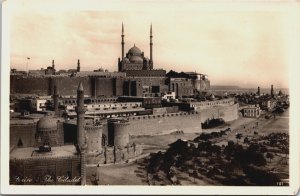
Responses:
[136,59]
[135,51]
[47,122]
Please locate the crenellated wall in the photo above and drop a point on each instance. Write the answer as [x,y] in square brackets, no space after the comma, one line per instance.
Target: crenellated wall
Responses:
[164,123]
[228,113]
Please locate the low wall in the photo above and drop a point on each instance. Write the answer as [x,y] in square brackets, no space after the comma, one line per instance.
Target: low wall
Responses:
[114,155]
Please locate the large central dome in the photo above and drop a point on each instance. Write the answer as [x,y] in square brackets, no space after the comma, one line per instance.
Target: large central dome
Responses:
[135,51]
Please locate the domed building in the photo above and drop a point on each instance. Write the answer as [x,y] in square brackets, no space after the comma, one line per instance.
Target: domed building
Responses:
[135,58]
[48,131]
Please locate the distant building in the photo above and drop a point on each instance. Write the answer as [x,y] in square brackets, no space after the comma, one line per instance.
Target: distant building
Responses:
[251,111]
[135,58]
[268,104]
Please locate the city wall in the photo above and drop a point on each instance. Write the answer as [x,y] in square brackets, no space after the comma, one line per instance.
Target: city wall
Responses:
[169,122]
[165,123]
[22,85]
[114,154]
[228,113]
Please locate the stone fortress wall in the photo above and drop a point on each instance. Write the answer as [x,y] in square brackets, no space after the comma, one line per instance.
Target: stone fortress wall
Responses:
[104,86]
[162,123]
[228,113]
[169,122]
[114,154]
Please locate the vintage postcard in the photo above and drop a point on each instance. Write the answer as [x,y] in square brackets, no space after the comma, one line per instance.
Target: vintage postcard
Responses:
[150,97]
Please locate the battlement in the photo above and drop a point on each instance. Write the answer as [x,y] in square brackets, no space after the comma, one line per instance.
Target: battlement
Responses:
[168,115]
[121,123]
[45,159]
[92,127]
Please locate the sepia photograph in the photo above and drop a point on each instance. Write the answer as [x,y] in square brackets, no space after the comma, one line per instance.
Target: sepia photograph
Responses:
[178,97]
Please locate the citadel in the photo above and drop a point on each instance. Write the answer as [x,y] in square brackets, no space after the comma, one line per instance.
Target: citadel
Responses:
[63,121]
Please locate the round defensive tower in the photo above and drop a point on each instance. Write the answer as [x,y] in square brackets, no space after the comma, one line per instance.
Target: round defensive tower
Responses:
[121,134]
[94,137]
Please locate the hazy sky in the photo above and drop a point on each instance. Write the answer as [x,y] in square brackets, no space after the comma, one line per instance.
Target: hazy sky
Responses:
[233,47]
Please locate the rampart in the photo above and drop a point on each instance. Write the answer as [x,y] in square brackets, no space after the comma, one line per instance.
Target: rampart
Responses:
[114,154]
[164,123]
[228,113]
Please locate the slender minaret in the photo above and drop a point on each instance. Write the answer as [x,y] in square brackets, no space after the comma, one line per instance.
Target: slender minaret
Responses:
[272,91]
[53,65]
[55,100]
[258,91]
[78,65]
[151,44]
[122,43]
[81,139]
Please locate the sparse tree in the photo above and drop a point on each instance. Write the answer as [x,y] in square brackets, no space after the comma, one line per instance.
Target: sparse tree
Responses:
[238,137]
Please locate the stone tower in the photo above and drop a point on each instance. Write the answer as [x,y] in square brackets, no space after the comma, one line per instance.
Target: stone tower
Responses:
[81,137]
[258,91]
[151,51]
[55,100]
[122,43]
[78,65]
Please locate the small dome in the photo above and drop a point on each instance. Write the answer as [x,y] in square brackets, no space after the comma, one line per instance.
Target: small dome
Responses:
[136,59]
[126,60]
[47,122]
[135,51]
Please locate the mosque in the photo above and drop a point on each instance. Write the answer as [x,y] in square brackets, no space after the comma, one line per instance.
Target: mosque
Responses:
[135,58]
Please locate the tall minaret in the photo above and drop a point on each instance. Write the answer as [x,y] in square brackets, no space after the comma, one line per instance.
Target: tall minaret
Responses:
[122,43]
[151,44]
[81,139]
[78,65]
[258,91]
[55,100]
[272,91]
[53,65]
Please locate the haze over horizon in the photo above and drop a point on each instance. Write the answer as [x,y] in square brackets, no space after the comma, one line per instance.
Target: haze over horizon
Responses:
[241,48]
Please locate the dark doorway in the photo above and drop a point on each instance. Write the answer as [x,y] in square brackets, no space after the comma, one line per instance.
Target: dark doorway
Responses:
[70,133]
